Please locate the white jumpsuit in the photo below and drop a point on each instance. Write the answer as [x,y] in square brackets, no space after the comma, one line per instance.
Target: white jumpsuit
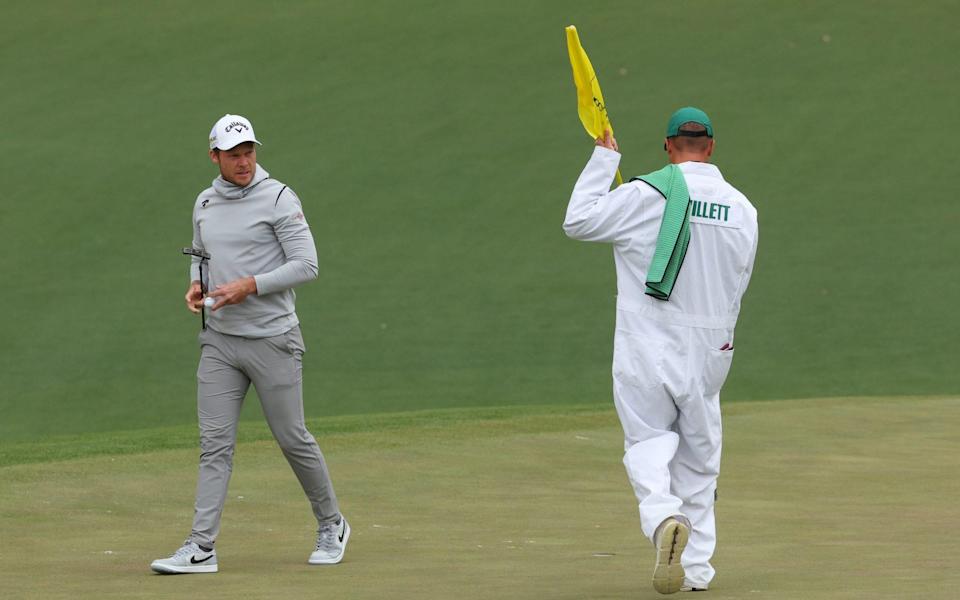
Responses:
[671,357]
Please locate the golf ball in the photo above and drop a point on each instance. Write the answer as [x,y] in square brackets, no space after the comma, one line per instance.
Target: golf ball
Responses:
[208,302]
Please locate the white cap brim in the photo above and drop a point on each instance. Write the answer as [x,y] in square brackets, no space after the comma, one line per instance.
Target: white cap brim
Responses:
[229,144]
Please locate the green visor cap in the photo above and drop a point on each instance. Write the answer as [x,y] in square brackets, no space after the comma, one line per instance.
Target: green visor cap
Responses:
[688,114]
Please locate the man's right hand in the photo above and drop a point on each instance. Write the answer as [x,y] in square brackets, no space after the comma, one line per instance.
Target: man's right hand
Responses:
[194,297]
[608,141]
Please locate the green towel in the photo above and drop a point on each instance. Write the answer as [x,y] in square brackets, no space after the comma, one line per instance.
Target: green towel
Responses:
[674,236]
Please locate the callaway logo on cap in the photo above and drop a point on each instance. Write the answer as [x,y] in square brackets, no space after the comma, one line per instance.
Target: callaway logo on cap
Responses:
[231,130]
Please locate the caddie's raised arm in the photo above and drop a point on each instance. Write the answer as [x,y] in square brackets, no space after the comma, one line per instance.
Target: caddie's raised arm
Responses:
[596,214]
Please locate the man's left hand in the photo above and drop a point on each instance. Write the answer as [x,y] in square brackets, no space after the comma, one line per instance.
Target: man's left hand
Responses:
[234,292]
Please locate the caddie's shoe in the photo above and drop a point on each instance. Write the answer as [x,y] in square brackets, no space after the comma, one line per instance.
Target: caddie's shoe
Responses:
[190,558]
[670,540]
[692,588]
[331,543]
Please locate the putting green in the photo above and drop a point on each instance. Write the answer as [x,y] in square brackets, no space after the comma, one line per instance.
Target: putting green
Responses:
[828,498]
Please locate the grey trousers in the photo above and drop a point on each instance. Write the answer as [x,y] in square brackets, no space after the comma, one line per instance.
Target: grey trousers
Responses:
[228,364]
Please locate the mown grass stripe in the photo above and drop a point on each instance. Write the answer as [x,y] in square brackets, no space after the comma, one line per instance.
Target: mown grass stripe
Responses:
[525,419]
[488,421]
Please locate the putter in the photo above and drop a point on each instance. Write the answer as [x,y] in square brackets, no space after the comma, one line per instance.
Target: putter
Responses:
[203,256]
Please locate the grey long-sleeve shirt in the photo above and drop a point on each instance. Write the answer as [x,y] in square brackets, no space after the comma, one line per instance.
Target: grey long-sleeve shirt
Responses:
[260,231]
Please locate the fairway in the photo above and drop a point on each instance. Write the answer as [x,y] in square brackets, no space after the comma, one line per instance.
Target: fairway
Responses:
[434,146]
[819,499]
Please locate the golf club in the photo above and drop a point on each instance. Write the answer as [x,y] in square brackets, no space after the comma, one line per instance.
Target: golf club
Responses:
[203,290]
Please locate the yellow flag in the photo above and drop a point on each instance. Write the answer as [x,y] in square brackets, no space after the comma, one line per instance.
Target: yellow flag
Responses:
[590,104]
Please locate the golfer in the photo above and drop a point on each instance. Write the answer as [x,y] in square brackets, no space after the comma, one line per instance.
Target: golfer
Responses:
[673,343]
[260,245]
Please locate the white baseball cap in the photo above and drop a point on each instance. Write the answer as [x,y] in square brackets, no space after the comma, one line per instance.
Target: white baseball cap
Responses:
[231,130]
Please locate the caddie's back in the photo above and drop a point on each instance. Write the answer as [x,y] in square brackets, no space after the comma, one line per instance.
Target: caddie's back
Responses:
[723,241]
[723,236]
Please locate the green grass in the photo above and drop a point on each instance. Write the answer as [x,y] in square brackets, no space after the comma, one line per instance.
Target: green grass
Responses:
[434,145]
[819,499]
[526,419]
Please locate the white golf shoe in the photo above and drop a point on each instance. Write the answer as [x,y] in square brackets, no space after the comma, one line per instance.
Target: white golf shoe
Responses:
[670,540]
[331,543]
[190,558]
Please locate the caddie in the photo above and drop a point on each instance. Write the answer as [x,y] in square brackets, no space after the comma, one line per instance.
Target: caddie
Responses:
[260,246]
[684,242]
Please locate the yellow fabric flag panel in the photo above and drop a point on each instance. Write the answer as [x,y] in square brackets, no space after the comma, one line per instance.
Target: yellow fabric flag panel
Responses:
[590,103]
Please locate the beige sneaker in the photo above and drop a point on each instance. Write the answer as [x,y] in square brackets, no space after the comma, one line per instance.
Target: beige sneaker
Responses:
[670,540]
